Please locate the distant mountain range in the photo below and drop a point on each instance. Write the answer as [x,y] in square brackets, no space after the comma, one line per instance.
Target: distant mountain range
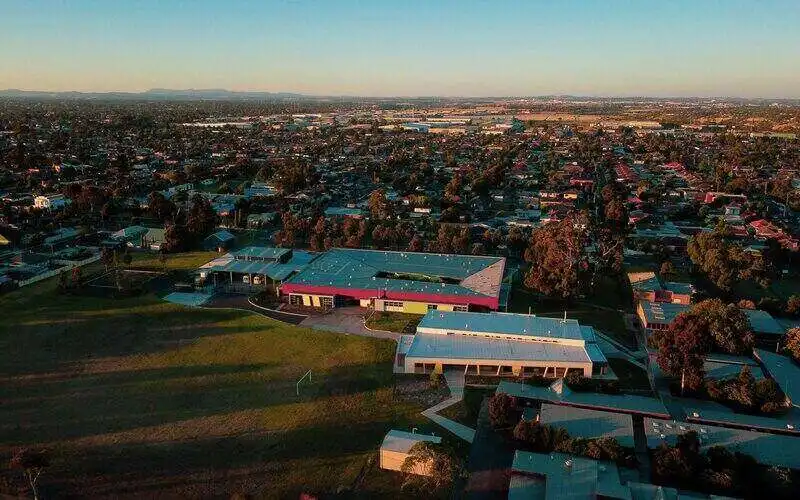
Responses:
[155,94]
[230,95]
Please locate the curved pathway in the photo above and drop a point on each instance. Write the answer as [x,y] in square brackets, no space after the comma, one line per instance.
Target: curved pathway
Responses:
[348,320]
[231,301]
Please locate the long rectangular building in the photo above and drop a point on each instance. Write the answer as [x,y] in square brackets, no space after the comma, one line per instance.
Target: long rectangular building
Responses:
[501,344]
[398,281]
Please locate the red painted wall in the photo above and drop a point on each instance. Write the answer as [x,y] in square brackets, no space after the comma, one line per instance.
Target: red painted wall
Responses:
[355,293]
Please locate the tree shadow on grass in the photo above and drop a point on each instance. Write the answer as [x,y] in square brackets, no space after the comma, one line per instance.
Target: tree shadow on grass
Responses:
[98,404]
[280,464]
[41,346]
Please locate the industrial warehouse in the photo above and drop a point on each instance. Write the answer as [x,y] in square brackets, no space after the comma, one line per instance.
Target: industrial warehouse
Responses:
[404,282]
[500,344]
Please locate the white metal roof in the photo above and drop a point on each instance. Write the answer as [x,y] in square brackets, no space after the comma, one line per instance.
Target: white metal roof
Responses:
[477,347]
[402,441]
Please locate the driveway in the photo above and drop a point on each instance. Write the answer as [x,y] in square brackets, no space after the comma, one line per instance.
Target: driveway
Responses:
[348,320]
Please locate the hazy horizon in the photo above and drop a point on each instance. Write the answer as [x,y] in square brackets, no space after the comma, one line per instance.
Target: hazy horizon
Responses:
[470,48]
[398,96]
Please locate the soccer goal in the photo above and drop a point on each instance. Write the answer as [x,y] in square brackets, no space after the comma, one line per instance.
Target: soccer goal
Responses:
[307,375]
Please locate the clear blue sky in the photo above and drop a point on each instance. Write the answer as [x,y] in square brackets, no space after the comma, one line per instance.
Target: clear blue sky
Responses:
[406,47]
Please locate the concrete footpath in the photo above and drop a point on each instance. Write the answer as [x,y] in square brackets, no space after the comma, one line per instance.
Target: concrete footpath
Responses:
[455,383]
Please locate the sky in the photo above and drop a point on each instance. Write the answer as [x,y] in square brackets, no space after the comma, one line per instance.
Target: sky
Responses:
[406,47]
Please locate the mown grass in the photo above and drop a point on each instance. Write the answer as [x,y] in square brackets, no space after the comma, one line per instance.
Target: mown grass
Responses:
[180,261]
[137,397]
[466,411]
[394,322]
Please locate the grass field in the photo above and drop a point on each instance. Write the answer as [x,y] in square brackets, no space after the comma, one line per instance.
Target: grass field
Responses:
[182,261]
[137,397]
[394,322]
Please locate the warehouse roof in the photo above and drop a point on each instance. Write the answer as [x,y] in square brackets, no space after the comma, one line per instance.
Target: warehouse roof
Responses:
[422,273]
[644,281]
[571,477]
[781,423]
[261,263]
[762,322]
[766,448]
[222,236]
[129,233]
[621,403]
[585,423]
[665,312]
[426,345]
[503,323]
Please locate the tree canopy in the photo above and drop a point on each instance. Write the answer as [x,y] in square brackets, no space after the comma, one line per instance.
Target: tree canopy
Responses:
[722,262]
[445,465]
[708,326]
[558,258]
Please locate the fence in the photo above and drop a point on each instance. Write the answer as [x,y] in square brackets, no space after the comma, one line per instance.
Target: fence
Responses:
[68,265]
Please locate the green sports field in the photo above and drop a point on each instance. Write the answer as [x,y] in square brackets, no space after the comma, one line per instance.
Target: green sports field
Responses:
[140,398]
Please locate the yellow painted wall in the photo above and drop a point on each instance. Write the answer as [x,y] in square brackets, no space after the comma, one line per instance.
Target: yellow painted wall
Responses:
[312,300]
[422,307]
[415,307]
[409,307]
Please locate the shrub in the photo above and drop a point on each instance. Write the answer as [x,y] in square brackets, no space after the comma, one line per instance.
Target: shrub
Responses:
[502,410]
[577,382]
[791,343]
[793,305]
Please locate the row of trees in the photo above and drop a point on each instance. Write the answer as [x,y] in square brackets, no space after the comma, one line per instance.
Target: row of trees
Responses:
[390,234]
[543,438]
[723,262]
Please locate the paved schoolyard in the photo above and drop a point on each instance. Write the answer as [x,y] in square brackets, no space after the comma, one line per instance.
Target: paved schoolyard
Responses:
[348,320]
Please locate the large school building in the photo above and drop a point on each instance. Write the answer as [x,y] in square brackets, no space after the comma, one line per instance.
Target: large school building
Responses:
[405,282]
[500,344]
